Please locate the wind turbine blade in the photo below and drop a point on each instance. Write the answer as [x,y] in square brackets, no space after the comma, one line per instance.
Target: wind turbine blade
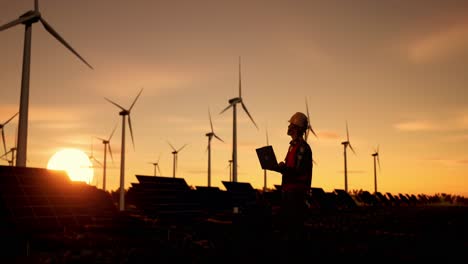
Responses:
[6,153]
[110,151]
[17,21]
[3,138]
[112,133]
[240,82]
[115,104]
[351,147]
[131,131]
[171,146]
[134,101]
[159,169]
[314,162]
[347,132]
[181,148]
[230,105]
[211,123]
[218,138]
[59,38]
[97,161]
[311,130]
[245,109]
[10,118]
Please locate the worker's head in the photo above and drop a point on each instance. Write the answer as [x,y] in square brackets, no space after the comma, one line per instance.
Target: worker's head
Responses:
[298,124]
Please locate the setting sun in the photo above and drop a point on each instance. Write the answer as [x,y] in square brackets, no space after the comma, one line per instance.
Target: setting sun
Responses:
[75,162]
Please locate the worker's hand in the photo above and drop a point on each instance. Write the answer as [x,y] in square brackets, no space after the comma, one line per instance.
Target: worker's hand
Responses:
[280,167]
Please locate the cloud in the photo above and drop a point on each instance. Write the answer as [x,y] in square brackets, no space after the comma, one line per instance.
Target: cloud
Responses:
[416,126]
[447,162]
[447,42]
[327,135]
[449,121]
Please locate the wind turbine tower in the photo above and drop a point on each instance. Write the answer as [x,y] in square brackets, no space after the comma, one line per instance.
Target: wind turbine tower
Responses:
[106,143]
[210,136]
[265,171]
[124,113]
[232,103]
[174,162]
[230,169]
[346,144]
[376,160]
[27,19]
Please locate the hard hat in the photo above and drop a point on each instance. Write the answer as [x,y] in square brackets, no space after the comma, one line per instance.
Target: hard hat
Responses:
[299,119]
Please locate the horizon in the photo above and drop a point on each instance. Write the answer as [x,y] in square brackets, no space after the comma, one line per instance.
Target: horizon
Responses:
[394,72]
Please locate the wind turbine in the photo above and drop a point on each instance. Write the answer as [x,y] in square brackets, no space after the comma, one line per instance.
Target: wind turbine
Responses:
[346,144]
[174,153]
[28,19]
[376,160]
[124,112]
[107,146]
[233,103]
[309,127]
[92,157]
[210,135]
[3,130]
[94,161]
[156,166]
[10,161]
[12,151]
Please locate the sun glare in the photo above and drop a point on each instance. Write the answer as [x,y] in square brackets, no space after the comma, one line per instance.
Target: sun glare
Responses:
[75,162]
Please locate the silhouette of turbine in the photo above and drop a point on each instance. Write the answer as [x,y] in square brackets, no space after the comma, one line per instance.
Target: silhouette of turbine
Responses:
[12,150]
[156,166]
[210,135]
[376,160]
[174,163]
[309,127]
[2,127]
[232,103]
[346,144]
[124,112]
[107,147]
[28,19]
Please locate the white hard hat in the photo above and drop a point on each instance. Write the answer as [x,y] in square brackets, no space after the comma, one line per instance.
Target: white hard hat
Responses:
[299,119]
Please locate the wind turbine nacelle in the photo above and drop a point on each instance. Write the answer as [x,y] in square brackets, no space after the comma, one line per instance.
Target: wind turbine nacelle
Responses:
[124,112]
[34,17]
[235,100]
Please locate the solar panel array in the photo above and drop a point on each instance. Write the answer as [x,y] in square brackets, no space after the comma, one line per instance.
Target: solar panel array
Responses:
[37,199]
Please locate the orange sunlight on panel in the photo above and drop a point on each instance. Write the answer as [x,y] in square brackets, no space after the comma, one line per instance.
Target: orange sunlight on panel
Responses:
[75,162]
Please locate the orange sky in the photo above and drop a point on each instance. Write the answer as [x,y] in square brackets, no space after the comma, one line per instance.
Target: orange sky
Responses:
[394,70]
